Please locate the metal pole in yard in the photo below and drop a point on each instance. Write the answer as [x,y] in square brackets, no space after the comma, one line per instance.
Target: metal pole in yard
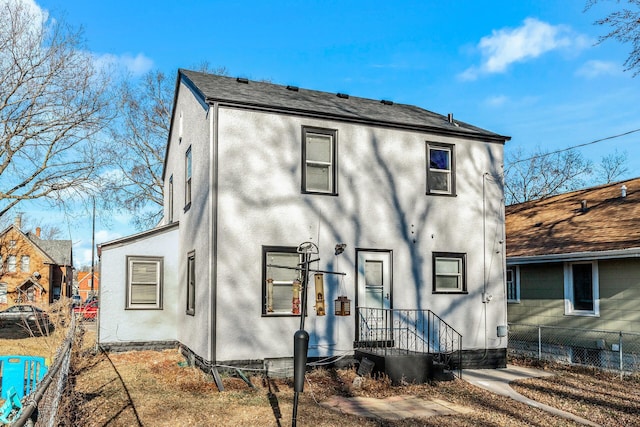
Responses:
[620,354]
[539,343]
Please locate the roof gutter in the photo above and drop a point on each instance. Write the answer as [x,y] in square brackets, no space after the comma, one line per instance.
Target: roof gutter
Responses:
[575,256]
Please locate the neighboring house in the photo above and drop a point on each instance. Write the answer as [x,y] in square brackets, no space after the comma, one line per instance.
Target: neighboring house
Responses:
[253,169]
[573,260]
[88,284]
[33,270]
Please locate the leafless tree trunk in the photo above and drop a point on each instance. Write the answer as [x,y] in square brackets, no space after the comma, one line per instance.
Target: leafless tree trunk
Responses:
[52,105]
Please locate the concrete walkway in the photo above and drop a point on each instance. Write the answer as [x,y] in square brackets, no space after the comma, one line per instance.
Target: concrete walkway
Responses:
[405,406]
[497,381]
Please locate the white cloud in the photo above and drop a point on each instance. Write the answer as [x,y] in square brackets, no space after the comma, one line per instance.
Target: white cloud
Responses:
[496,101]
[134,65]
[595,68]
[532,39]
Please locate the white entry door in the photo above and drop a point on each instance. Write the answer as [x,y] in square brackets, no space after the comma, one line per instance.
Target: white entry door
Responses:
[374,285]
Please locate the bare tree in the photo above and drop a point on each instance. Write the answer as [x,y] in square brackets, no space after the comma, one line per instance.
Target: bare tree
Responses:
[139,137]
[52,104]
[542,174]
[612,167]
[625,27]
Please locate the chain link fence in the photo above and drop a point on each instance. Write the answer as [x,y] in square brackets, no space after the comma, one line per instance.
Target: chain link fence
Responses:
[610,350]
[41,407]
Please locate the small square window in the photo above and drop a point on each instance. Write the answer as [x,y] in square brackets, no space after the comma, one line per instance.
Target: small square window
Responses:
[440,169]
[319,161]
[280,285]
[449,272]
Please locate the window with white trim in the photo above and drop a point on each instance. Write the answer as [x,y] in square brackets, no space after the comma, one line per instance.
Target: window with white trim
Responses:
[440,169]
[11,263]
[187,178]
[449,272]
[281,281]
[3,293]
[581,289]
[319,161]
[25,261]
[144,282]
[513,284]
[191,283]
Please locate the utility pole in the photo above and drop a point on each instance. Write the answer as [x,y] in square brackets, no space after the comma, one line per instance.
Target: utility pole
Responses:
[93,244]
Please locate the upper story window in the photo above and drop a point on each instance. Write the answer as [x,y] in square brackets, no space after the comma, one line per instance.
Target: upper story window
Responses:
[441,169]
[187,178]
[170,203]
[581,289]
[281,282]
[12,243]
[449,272]
[24,263]
[513,284]
[11,263]
[319,158]
[144,282]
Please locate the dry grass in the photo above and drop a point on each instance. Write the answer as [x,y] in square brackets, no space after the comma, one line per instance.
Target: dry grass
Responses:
[144,388]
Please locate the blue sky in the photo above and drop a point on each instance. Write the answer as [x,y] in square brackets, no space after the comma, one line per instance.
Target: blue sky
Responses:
[528,69]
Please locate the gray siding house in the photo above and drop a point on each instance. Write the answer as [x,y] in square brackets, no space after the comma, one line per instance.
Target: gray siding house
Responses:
[254,170]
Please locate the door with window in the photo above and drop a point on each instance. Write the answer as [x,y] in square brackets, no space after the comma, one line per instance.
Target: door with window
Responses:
[374,294]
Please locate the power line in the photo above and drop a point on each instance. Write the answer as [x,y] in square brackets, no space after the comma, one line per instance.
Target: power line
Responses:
[575,146]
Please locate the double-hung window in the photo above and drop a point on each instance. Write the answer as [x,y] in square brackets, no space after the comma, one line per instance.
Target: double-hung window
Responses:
[581,289]
[11,263]
[187,178]
[449,272]
[513,284]
[440,169]
[144,282]
[319,158]
[24,263]
[191,283]
[280,289]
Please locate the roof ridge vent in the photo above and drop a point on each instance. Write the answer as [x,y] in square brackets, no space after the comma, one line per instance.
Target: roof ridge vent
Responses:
[242,80]
[342,95]
[386,102]
[293,88]
[583,206]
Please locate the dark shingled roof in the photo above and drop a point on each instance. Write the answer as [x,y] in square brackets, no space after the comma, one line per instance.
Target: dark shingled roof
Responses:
[261,95]
[59,250]
[559,225]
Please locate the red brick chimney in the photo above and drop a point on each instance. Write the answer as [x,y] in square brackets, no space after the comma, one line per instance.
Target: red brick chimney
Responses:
[38,229]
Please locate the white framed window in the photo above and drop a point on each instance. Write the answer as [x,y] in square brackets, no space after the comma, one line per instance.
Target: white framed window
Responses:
[319,158]
[191,283]
[11,263]
[281,293]
[12,243]
[4,287]
[440,169]
[24,263]
[170,203]
[187,177]
[144,282]
[513,284]
[581,289]
[449,272]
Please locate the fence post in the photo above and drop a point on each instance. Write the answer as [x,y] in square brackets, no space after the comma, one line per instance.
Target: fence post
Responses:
[539,342]
[620,352]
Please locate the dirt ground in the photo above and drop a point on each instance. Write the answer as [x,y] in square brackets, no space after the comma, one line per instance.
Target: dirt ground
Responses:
[149,388]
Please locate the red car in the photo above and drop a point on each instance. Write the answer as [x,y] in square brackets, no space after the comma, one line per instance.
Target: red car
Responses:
[88,311]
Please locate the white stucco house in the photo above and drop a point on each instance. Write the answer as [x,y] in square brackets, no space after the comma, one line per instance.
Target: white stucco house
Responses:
[254,169]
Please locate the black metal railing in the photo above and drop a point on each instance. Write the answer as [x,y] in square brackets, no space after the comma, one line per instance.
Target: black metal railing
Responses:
[408,331]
